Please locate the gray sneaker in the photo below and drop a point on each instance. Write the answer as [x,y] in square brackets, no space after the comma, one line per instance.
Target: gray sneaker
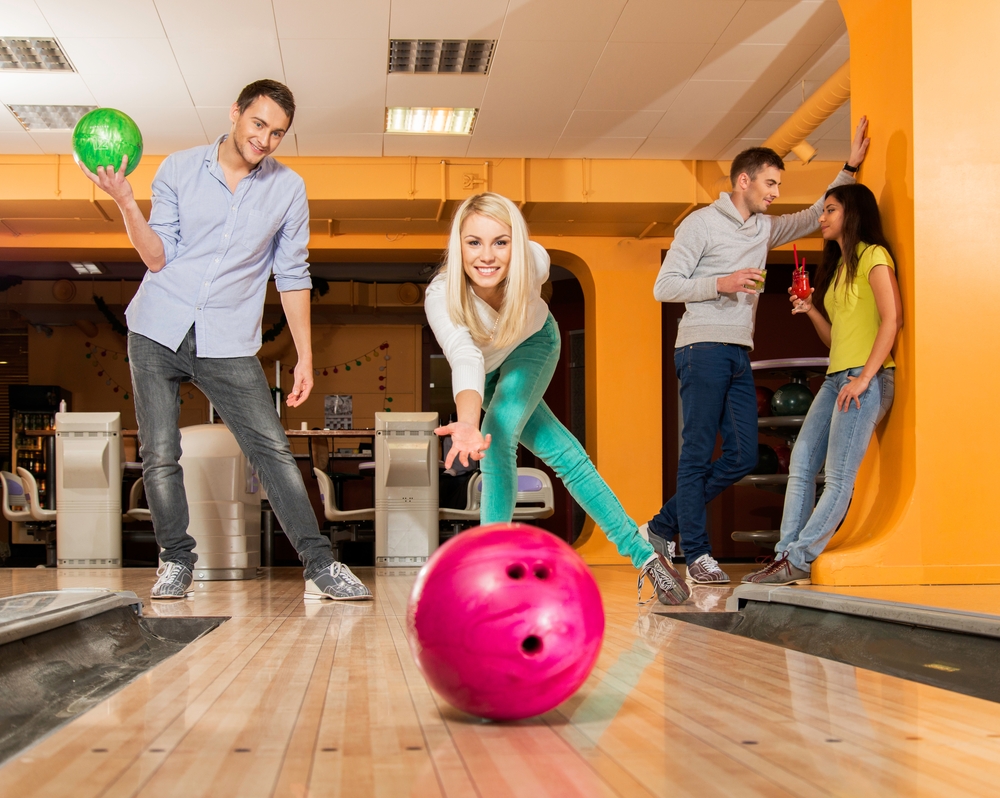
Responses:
[669,587]
[173,582]
[660,545]
[780,572]
[706,571]
[337,583]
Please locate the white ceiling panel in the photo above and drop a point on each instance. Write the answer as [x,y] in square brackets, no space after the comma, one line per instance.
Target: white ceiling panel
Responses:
[532,146]
[828,63]
[435,91]
[22,18]
[561,20]
[339,73]
[54,142]
[672,21]
[641,75]
[409,144]
[52,88]
[534,88]
[226,22]
[215,71]
[833,150]
[341,121]
[766,125]
[21,143]
[447,19]
[358,146]
[702,125]
[710,96]
[680,148]
[586,147]
[332,19]
[751,61]
[122,72]
[737,146]
[167,129]
[102,19]
[615,124]
[783,22]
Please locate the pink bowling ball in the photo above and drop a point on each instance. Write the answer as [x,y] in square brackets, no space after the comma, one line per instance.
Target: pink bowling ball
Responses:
[505,621]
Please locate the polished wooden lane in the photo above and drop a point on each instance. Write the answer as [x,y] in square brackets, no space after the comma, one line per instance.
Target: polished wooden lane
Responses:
[289,699]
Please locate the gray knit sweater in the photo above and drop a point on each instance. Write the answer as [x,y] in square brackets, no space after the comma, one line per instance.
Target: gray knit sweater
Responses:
[713,242]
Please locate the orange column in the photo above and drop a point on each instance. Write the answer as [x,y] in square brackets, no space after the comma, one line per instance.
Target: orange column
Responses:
[922,514]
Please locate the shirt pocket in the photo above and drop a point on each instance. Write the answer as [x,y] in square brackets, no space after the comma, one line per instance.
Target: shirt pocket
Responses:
[258,230]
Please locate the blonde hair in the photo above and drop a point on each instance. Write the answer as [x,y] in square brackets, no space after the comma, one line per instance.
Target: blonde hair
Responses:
[517,287]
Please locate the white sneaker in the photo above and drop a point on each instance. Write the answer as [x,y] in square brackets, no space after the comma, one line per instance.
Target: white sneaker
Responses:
[337,583]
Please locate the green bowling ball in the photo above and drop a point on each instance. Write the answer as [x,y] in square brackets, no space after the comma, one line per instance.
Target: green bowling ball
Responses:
[767,460]
[103,136]
[792,399]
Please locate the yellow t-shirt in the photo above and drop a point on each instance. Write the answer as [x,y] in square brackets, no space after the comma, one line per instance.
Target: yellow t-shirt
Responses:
[853,314]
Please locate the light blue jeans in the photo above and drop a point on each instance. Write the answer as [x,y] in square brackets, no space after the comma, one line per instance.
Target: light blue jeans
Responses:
[515,413]
[238,389]
[839,440]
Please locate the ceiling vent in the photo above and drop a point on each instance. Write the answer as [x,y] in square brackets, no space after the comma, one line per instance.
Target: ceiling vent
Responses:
[438,57]
[34,55]
[49,117]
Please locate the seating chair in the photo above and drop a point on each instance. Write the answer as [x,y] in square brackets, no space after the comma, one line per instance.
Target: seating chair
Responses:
[460,518]
[135,511]
[15,501]
[40,523]
[535,499]
[333,514]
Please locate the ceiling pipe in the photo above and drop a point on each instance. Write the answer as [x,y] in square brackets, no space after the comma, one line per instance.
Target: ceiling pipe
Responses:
[820,106]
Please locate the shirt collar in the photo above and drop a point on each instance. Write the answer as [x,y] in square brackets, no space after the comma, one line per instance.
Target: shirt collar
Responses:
[212,159]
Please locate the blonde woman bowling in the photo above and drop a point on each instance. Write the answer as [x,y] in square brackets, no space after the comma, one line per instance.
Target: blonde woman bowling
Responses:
[502,344]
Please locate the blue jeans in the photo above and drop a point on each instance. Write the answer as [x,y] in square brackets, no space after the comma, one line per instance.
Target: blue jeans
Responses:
[515,413]
[237,388]
[839,440]
[717,395]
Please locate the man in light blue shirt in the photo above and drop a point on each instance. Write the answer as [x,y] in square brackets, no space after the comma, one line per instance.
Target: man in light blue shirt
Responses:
[224,218]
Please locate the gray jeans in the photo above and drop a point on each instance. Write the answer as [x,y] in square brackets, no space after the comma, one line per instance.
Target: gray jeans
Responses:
[237,388]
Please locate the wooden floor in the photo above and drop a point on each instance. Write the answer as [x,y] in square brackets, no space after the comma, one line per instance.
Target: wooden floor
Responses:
[287,699]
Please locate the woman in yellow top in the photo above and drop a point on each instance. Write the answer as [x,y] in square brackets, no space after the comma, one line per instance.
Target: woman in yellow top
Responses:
[862,313]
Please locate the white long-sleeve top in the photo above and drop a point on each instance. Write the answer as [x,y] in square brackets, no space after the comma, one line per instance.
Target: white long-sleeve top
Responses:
[470,363]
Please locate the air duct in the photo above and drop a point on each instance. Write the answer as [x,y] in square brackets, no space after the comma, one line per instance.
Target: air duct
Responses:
[820,106]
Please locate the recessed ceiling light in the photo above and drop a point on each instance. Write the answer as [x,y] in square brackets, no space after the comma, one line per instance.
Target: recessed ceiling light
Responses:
[88,268]
[49,117]
[444,121]
[36,55]
[435,56]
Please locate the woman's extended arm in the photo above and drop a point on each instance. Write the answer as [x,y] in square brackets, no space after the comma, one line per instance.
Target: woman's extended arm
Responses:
[890,309]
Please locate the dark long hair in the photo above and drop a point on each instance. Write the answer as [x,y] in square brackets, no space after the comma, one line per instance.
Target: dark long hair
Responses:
[862,223]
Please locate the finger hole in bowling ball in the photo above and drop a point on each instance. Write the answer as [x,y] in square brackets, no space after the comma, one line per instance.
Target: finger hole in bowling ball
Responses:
[532,644]
[516,571]
[541,570]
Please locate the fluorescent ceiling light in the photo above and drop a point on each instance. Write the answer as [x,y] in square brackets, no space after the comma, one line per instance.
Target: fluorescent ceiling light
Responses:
[89,268]
[444,121]
[36,55]
[441,56]
[49,117]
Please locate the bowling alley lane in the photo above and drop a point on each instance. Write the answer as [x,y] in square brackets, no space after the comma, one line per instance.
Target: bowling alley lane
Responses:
[289,699]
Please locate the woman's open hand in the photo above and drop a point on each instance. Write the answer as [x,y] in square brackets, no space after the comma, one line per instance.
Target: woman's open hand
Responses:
[467,442]
[801,305]
[852,392]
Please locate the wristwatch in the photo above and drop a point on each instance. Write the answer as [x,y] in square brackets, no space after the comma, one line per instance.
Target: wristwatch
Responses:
[851,169]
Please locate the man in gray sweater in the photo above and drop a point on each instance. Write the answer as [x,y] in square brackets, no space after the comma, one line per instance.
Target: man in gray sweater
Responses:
[714,266]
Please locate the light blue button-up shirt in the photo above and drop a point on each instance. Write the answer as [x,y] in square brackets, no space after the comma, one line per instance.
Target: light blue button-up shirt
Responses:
[220,249]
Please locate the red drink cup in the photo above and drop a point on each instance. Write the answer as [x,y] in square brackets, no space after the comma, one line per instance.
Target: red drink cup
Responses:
[800,283]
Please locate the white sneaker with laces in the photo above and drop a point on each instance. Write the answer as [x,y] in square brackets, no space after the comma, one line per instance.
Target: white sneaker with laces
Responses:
[706,571]
[336,583]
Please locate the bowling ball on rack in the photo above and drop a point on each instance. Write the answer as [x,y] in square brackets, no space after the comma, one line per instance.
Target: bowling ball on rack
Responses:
[505,621]
[792,399]
[764,401]
[767,460]
[103,136]
[784,455]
